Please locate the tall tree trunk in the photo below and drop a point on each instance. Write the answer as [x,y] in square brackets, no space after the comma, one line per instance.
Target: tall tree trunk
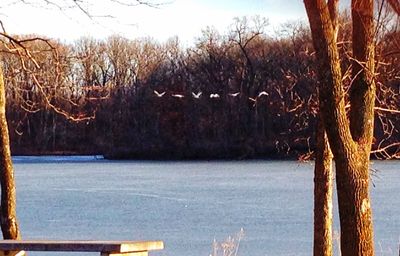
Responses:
[353,180]
[323,187]
[355,212]
[323,176]
[350,144]
[8,217]
[362,91]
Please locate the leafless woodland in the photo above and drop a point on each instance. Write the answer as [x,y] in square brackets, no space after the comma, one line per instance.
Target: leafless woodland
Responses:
[236,94]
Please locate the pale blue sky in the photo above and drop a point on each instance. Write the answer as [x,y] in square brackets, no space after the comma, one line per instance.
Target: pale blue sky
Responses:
[182,18]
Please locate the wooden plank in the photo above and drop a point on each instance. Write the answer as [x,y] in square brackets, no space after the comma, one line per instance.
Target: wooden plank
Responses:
[125,254]
[142,246]
[80,246]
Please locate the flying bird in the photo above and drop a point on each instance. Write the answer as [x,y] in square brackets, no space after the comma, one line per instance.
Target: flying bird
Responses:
[214,95]
[263,93]
[180,96]
[234,94]
[197,95]
[159,95]
[253,100]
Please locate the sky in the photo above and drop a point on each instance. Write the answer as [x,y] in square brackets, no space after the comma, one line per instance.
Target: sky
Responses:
[182,18]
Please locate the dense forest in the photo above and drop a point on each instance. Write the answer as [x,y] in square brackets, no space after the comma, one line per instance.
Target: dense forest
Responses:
[238,94]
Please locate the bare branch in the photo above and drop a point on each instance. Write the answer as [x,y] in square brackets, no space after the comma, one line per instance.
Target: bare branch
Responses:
[393,111]
[138,2]
[385,151]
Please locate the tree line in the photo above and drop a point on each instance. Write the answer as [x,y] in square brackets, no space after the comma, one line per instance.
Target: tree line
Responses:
[237,94]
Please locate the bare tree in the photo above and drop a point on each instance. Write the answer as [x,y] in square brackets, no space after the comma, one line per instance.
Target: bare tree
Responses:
[9,224]
[350,140]
[8,216]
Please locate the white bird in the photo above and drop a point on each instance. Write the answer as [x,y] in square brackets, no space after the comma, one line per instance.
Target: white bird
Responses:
[263,93]
[214,95]
[180,96]
[159,95]
[252,99]
[234,94]
[197,95]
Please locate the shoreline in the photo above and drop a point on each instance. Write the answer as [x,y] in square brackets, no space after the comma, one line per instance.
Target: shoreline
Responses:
[99,157]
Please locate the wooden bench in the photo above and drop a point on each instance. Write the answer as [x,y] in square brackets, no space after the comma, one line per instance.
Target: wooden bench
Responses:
[106,248]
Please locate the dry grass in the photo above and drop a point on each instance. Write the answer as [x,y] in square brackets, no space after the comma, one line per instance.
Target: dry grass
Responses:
[230,247]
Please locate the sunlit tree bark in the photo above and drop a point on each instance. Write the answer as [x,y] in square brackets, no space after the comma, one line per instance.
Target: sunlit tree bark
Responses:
[323,187]
[323,177]
[8,217]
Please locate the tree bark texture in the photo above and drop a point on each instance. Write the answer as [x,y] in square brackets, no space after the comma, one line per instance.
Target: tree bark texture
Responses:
[362,92]
[351,153]
[323,187]
[8,219]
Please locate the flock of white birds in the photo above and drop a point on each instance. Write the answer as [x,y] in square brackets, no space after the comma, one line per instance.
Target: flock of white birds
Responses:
[211,96]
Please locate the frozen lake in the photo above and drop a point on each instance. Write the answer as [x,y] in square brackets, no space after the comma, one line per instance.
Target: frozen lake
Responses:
[187,204]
